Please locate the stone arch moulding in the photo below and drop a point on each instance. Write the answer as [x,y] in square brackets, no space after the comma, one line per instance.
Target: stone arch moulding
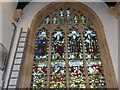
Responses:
[25,81]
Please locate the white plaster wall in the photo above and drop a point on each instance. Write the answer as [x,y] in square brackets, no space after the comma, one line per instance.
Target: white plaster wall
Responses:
[8,9]
[109,22]
[6,28]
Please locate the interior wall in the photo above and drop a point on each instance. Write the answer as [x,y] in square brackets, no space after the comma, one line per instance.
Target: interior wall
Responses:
[6,28]
[8,9]
[110,25]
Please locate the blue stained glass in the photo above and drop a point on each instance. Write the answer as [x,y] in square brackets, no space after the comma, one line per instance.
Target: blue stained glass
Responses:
[41,46]
[40,60]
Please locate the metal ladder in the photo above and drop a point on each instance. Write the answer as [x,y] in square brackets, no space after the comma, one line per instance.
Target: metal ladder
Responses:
[13,81]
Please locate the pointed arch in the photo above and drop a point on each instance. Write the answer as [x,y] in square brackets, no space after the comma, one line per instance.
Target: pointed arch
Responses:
[82,18]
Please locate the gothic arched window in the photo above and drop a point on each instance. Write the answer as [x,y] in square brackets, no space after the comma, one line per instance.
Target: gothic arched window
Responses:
[70,49]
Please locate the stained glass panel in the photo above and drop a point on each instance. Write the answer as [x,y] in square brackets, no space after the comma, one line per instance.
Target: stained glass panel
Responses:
[58,76]
[54,20]
[39,74]
[94,64]
[41,47]
[75,56]
[77,75]
[74,45]
[58,41]
[68,13]
[47,20]
[83,19]
[76,19]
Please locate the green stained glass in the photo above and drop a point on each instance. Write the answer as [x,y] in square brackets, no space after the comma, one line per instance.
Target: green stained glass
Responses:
[83,19]
[47,20]
[94,63]
[54,20]
[62,17]
[62,13]
[68,13]
[76,19]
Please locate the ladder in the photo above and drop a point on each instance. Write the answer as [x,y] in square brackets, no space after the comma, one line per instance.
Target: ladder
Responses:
[15,72]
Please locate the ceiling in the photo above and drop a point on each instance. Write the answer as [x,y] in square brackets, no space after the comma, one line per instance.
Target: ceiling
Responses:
[21,5]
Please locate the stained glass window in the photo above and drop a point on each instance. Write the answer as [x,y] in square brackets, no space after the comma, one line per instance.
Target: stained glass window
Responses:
[74,59]
[47,20]
[94,64]
[58,76]
[54,20]
[58,41]
[39,75]
[75,55]
[83,19]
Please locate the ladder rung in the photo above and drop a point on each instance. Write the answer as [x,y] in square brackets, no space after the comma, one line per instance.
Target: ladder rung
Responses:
[21,41]
[13,77]
[17,64]
[18,57]
[11,87]
[20,46]
[23,32]
[19,52]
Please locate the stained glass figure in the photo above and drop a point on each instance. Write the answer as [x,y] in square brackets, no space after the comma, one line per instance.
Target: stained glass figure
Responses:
[39,75]
[58,76]
[76,19]
[74,45]
[77,75]
[58,41]
[54,20]
[41,47]
[94,64]
[47,20]
[40,60]
[83,19]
